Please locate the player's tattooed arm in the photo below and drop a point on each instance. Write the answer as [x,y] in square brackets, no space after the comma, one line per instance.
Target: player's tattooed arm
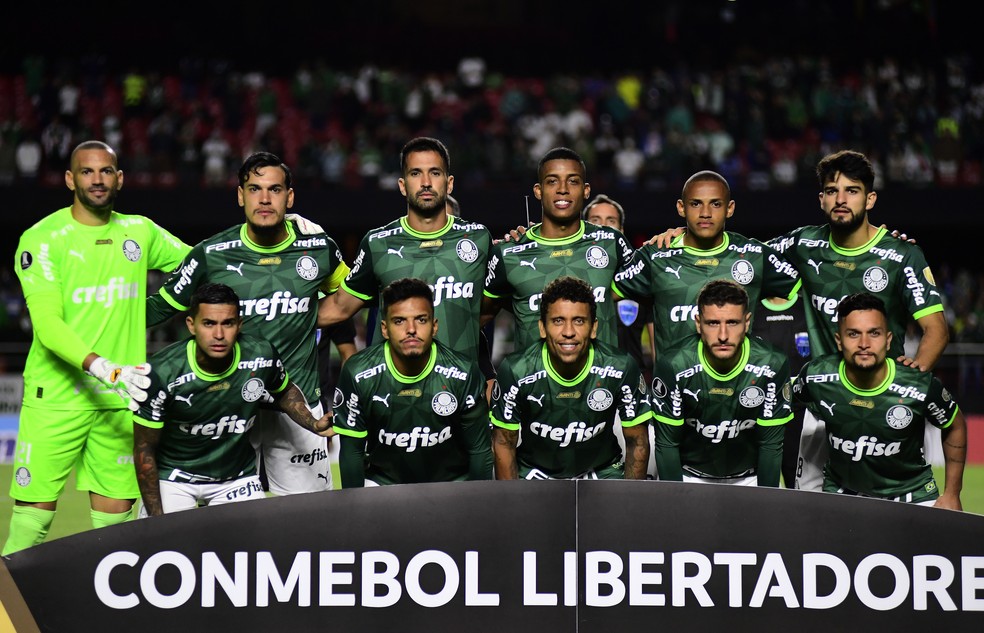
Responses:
[145,441]
[504,443]
[636,451]
[291,401]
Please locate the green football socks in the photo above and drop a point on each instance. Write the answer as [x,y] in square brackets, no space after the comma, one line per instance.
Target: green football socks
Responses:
[28,527]
[103,519]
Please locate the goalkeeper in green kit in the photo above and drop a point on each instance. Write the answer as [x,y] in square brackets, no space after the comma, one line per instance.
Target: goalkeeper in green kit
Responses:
[83,270]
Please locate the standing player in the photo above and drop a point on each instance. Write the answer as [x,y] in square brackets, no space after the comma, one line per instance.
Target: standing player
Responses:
[562,244]
[874,410]
[409,409]
[721,398]
[673,275]
[566,395]
[277,275]
[83,270]
[632,318]
[190,443]
[428,243]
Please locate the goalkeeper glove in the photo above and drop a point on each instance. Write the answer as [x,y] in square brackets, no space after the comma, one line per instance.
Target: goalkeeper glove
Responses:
[305,226]
[129,381]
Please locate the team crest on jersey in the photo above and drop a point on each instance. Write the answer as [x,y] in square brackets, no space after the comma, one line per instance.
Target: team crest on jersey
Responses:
[496,390]
[743,272]
[875,279]
[253,390]
[444,403]
[467,250]
[338,398]
[307,267]
[659,388]
[628,311]
[26,260]
[751,396]
[899,416]
[22,477]
[600,399]
[131,250]
[597,257]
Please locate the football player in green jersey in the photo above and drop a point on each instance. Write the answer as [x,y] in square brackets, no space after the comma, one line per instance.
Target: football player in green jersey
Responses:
[566,397]
[83,270]
[721,398]
[409,409]
[874,409]
[278,276]
[190,442]
[562,244]
[448,252]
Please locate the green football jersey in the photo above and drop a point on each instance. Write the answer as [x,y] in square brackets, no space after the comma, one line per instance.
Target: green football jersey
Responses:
[98,275]
[519,270]
[412,429]
[893,270]
[453,261]
[278,290]
[875,436]
[204,418]
[673,277]
[720,425]
[567,427]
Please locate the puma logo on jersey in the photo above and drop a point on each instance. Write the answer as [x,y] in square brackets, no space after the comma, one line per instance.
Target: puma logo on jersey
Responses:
[384,400]
[185,399]
[531,263]
[693,394]
[675,272]
[75,253]
[236,269]
[539,400]
[395,251]
[828,407]
[816,265]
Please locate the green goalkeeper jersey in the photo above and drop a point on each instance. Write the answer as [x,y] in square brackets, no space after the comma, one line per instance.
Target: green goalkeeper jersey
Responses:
[452,260]
[205,418]
[567,426]
[893,270]
[875,436]
[720,425]
[673,277]
[278,288]
[96,278]
[399,429]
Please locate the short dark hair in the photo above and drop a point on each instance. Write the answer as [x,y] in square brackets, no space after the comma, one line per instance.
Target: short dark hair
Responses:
[705,176]
[859,301]
[406,288]
[851,164]
[603,199]
[258,160]
[87,145]
[567,288]
[425,144]
[721,292]
[559,153]
[212,294]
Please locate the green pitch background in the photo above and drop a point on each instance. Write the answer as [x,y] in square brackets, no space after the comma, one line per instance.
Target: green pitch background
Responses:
[73,508]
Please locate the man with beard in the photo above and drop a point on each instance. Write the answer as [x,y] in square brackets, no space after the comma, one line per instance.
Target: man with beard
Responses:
[874,410]
[410,409]
[428,243]
[83,270]
[720,398]
[278,275]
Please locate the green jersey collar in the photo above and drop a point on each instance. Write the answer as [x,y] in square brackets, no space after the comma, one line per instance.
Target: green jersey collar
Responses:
[534,234]
[739,367]
[560,379]
[868,393]
[860,250]
[409,379]
[253,246]
[717,250]
[426,236]
[200,373]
